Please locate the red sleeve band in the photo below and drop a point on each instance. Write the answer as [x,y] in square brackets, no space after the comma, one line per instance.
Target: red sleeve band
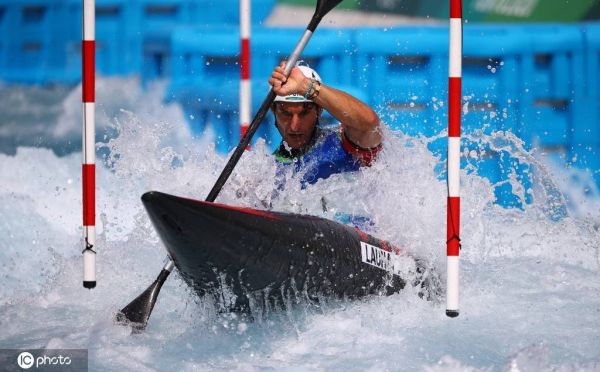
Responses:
[366,156]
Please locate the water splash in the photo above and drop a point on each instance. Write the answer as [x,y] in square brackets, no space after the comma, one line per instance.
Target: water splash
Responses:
[528,276]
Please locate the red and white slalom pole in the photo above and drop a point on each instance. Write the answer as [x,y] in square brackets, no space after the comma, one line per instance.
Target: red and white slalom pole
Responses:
[454,109]
[88,53]
[245,88]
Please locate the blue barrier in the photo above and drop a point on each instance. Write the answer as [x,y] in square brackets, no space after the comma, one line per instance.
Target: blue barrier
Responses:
[160,18]
[505,87]
[587,130]
[157,20]
[404,71]
[47,46]
[117,35]
[31,42]
[552,96]
[524,92]
[527,79]
[69,39]
[204,61]
[540,81]
[206,71]
[210,56]
[491,77]
[584,147]
[132,36]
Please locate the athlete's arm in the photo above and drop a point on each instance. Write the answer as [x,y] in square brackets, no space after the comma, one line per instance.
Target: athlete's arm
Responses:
[360,122]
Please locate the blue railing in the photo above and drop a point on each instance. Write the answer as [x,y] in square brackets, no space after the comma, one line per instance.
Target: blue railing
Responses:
[40,39]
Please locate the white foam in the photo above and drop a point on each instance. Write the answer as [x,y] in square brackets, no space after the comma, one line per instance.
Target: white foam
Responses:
[528,276]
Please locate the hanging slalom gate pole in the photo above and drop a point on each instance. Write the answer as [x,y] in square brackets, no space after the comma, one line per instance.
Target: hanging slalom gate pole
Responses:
[245,87]
[454,108]
[88,174]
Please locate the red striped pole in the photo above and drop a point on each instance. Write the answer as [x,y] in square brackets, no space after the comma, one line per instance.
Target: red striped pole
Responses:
[245,90]
[454,107]
[88,176]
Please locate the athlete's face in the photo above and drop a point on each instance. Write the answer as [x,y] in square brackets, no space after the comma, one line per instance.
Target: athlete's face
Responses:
[296,122]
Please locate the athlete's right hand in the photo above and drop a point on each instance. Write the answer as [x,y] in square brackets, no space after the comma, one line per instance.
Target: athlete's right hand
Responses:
[283,86]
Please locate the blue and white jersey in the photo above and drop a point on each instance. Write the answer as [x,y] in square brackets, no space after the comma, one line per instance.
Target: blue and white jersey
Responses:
[330,152]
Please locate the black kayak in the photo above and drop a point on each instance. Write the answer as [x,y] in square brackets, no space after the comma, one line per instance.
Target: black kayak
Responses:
[236,253]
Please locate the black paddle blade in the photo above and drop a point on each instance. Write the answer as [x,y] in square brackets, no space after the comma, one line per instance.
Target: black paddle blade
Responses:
[137,313]
[323,7]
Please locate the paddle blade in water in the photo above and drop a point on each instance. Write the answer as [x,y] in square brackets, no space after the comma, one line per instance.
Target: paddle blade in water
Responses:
[138,311]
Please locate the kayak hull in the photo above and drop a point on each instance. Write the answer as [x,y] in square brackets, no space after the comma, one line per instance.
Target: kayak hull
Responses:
[234,253]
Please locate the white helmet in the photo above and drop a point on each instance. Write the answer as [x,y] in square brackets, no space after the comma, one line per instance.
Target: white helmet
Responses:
[309,73]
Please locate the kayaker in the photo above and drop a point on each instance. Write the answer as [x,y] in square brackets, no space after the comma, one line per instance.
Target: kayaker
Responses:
[312,150]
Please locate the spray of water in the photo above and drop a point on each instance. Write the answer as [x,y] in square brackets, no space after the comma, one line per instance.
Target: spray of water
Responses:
[529,272]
